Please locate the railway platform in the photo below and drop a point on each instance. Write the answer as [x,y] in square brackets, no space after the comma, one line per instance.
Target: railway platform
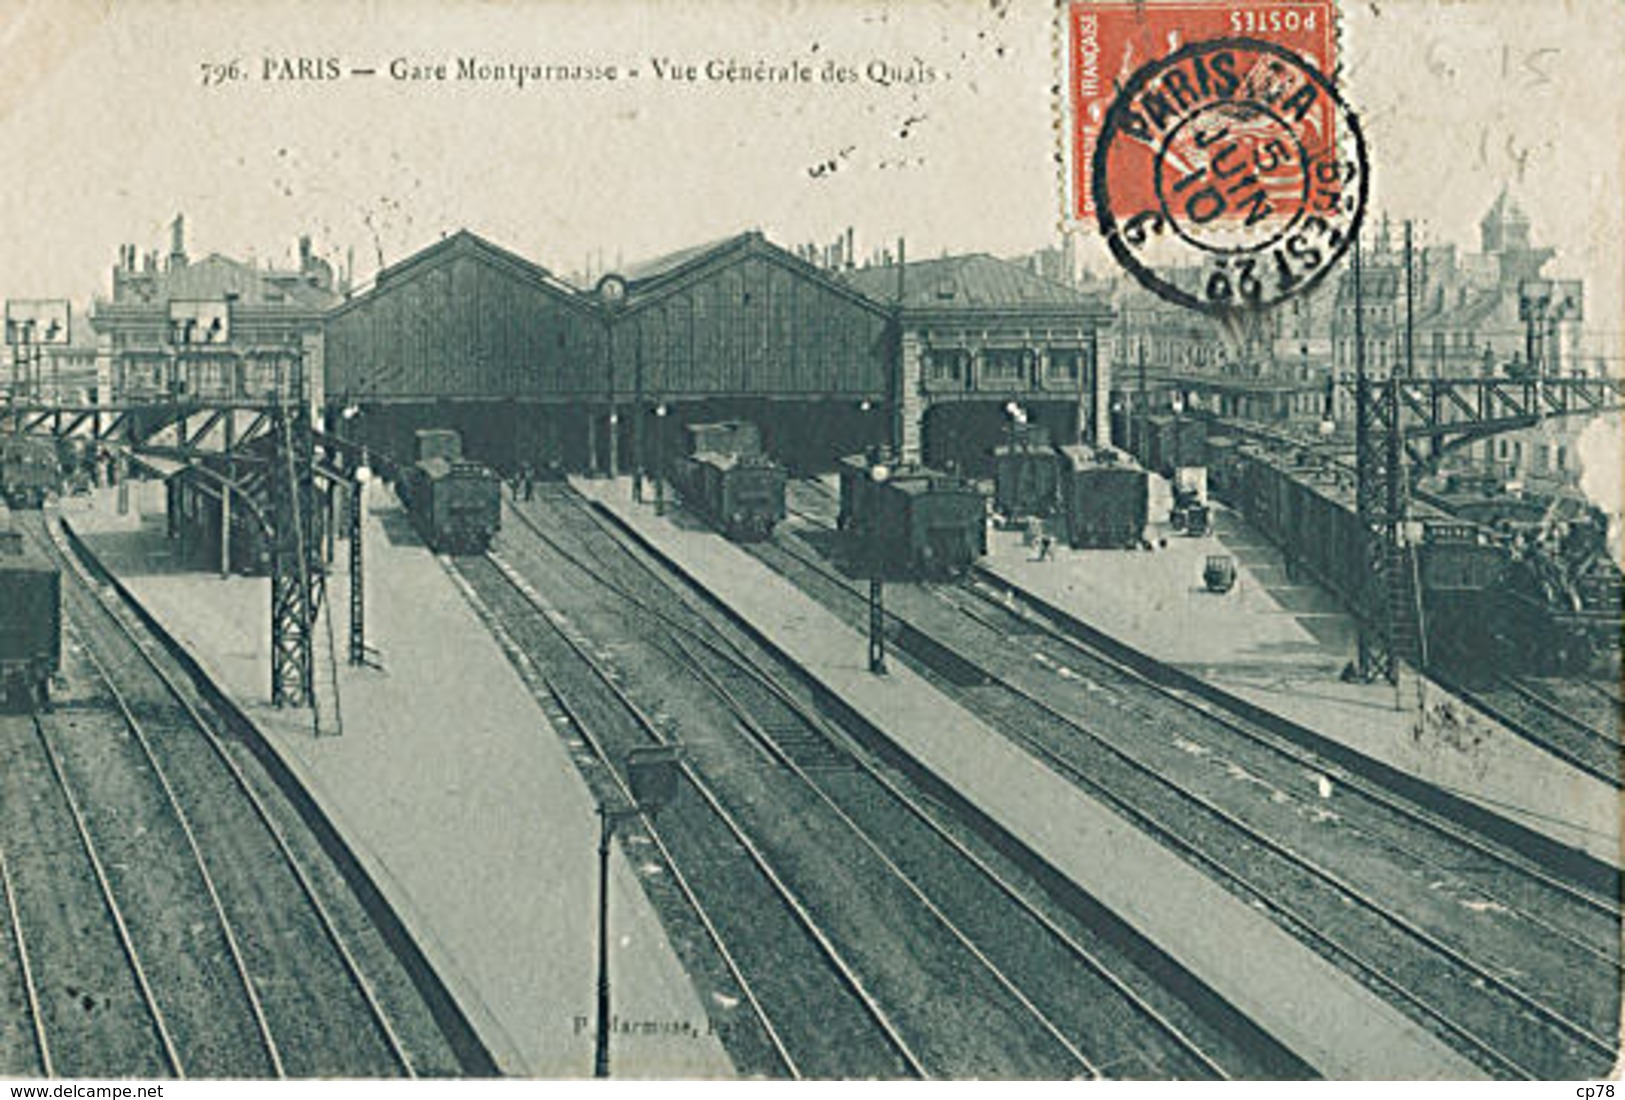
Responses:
[452,789]
[1321,1013]
[1281,642]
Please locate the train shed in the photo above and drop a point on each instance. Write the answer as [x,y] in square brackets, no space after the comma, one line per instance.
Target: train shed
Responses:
[740,328]
[467,335]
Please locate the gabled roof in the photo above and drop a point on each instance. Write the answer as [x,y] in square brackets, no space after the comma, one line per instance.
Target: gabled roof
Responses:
[1378,284]
[655,267]
[650,280]
[1467,315]
[465,243]
[974,281]
[217,277]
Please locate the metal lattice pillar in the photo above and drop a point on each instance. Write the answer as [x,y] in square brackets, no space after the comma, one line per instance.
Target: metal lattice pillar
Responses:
[1381,505]
[1376,649]
[296,572]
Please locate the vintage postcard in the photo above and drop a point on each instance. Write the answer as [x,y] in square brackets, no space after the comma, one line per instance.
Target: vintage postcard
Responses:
[857,539]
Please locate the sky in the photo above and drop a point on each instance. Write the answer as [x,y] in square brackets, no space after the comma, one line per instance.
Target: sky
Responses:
[108,129]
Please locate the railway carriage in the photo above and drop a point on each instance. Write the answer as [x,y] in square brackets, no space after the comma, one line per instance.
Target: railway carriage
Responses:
[30,622]
[455,503]
[728,479]
[913,521]
[1026,474]
[30,470]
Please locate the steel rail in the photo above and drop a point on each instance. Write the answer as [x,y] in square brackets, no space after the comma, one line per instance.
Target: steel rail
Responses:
[590,739]
[1553,1016]
[1547,705]
[761,736]
[736,657]
[41,1044]
[307,888]
[803,916]
[749,668]
[171,1055]
[1280,746]
[1546,740]
[1604,957]
[226,929]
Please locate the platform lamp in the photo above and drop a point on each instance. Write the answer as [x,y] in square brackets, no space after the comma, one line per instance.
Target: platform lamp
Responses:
[879,472]
[1017,415]
[660,458]
[651,772]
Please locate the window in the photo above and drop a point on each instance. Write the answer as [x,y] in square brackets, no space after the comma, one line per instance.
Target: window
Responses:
[945,365]
[1003,366]
[1562,457]
[1065,364]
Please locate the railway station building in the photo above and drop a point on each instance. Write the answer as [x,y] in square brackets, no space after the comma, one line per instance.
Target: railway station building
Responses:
[537,371]
[984,344]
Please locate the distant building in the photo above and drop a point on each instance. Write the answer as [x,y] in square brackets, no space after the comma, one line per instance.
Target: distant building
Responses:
[1373,310]
[270,321]
[1489,312]
[68,373]
[1495,312]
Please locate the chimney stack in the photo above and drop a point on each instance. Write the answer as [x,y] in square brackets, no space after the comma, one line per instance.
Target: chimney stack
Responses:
[177,242]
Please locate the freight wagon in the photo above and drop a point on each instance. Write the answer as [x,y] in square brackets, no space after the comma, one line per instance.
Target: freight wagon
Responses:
[1307,508]
[1026,474]
[30,622]
[1104,498]
[911,521]
[1170,442]
[727,437]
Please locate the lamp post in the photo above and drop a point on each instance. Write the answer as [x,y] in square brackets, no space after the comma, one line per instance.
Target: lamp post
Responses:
[660,457]
[878,473]
[651,773]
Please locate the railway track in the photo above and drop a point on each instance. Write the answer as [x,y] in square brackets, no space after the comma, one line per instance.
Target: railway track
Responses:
[245,957]
[782,964]
[88,1005]
[1227,796]
[1564,721]
[1037,971]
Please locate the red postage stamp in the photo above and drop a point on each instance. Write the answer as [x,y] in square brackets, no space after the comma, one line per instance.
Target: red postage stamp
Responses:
[1211,147]
[1107,41]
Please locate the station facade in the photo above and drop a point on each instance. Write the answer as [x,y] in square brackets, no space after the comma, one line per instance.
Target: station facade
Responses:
[927,358]
[984,345]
